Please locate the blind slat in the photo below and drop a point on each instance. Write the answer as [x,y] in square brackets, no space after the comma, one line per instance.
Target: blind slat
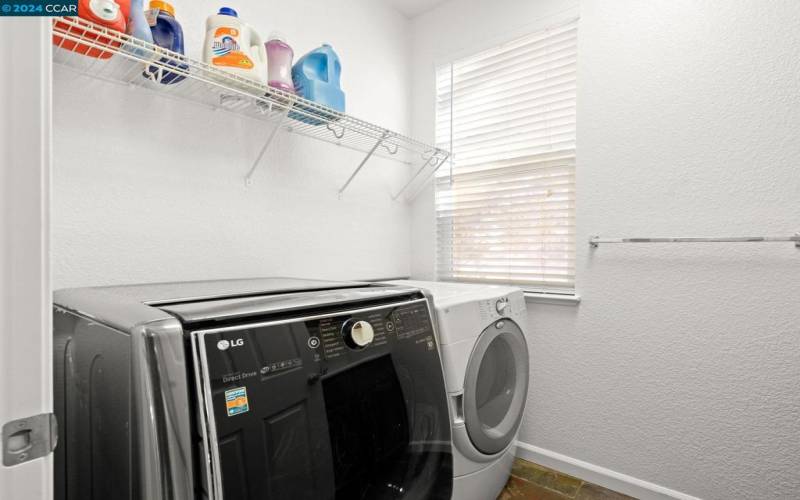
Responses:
[511,179]
[454,207]
[550,159]
[542,75]
[454,213]
[554,94]
[530,108]
[530,47]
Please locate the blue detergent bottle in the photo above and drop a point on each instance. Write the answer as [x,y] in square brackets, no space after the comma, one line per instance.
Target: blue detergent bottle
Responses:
[316,77]
[168,34]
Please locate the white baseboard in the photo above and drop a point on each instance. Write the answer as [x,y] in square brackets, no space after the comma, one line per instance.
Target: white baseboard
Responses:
[598,475]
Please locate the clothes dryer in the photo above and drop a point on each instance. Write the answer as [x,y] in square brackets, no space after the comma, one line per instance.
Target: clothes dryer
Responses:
[485,356]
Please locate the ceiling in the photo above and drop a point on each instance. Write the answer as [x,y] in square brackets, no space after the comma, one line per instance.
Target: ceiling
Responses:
[412,8]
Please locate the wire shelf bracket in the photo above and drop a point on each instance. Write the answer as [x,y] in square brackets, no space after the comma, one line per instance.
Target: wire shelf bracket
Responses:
[248,179]
[430,174]
[433,160]
[363,162]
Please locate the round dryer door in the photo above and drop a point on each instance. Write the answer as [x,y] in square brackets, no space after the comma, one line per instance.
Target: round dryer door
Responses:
[496,386]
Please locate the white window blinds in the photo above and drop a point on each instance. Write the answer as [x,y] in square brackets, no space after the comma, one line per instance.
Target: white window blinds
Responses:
[505,209]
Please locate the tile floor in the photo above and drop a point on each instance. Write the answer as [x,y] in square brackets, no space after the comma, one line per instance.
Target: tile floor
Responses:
[531,481]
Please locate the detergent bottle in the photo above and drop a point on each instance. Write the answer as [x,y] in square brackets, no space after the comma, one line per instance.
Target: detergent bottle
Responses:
[111,14]
[138,28]
[279,63]
[234,47]
[316,77]
[167,34]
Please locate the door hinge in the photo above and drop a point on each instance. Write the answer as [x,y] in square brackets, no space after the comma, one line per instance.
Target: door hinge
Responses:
[29,438]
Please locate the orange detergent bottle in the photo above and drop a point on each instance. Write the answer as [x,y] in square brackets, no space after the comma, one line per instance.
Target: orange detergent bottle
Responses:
[234,47]
[111,14]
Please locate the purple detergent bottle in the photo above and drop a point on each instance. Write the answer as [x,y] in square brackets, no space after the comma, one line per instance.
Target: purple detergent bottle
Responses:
[279,63]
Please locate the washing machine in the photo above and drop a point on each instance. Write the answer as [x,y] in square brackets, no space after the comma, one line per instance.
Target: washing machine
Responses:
[485,357]
[269,389]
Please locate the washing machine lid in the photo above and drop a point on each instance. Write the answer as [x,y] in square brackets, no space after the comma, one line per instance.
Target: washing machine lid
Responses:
[496,387]
[284,302]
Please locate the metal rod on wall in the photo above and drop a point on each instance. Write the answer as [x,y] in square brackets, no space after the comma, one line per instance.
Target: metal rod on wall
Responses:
[594,241]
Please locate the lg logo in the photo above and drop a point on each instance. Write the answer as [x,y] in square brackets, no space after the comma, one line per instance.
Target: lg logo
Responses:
[223,345]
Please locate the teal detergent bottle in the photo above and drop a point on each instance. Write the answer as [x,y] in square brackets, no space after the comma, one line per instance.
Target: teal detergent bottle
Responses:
[316,77]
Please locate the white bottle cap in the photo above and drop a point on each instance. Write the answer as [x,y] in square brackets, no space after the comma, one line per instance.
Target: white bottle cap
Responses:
[106,10]
[277,35]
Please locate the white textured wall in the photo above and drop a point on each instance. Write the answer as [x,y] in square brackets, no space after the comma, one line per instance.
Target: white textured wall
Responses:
[681,366]
[148,189]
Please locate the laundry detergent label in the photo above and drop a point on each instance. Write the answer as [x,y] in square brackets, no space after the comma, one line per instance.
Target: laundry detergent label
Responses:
[227,51]
[236,401]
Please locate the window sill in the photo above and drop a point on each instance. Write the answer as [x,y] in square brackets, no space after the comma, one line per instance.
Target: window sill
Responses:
[552,298]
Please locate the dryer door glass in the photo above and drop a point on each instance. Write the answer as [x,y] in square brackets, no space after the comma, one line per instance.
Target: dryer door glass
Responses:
[496,386]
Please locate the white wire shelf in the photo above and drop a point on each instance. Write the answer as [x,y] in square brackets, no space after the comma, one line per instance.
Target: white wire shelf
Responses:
[132,62]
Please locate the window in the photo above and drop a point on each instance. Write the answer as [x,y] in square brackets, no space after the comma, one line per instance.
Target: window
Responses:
[505,207]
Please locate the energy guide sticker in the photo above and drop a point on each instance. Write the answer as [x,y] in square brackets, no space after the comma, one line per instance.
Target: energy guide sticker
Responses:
[236,401]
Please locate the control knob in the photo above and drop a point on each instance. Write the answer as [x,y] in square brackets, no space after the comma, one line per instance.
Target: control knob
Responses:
[501,306]
[358,334]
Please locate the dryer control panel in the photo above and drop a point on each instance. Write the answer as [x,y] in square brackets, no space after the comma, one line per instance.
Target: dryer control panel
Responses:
[510,306]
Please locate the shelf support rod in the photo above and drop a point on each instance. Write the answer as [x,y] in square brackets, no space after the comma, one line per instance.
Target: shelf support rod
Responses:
[363,162]
[432,160]
[248,180]
[428,176]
